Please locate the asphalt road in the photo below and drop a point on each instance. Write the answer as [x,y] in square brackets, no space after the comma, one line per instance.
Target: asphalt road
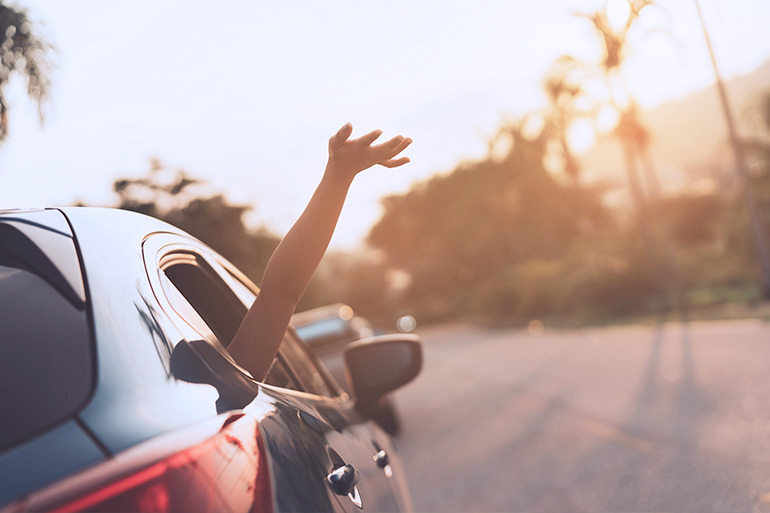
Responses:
[643,418]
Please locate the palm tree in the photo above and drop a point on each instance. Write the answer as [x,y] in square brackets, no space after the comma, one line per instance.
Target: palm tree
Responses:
[21,52]
[635,140]
[564,89]
[631,131]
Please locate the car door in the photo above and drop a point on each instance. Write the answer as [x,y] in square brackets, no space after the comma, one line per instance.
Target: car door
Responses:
[314,430]
[349,439]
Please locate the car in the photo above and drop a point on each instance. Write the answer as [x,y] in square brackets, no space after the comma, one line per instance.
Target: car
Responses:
[119,393]
[328,330]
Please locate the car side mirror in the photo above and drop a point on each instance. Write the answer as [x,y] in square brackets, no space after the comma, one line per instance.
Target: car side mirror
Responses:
[378,365]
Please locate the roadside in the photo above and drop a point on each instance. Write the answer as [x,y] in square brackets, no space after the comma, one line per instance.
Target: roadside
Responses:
[724,311]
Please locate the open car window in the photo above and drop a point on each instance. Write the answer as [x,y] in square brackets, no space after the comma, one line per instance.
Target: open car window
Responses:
[211,298]
[215,303]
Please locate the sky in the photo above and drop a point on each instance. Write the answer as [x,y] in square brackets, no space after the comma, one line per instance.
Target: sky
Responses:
[245,94]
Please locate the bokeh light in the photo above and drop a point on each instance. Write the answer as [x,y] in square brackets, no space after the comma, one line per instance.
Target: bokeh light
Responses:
[406,324]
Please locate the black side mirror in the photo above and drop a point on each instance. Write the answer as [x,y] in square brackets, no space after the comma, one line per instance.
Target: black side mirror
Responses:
[199,362]
[378,365]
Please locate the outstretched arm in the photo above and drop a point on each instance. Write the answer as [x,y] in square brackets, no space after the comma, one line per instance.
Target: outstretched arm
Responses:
[295,259]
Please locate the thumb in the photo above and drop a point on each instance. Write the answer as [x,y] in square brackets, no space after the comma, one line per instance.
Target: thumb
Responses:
[342,135]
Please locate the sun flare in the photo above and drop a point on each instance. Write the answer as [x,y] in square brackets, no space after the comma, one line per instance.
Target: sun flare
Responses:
[581,136]
[618,12]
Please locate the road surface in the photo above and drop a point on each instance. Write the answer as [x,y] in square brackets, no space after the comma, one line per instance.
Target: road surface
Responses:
[642,418]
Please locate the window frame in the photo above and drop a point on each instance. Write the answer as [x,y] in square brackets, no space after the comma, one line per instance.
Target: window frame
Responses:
[162,250]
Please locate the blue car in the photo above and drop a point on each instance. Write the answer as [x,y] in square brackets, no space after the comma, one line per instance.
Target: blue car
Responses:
[119,393]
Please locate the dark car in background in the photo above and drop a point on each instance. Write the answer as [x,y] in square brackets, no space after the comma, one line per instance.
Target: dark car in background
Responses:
[119,393]
[328,330]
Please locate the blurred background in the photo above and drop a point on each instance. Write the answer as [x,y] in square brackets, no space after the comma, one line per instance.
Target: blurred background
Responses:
[572,161]
[576,163]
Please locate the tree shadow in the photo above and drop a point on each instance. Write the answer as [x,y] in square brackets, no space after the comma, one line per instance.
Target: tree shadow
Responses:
[667,469]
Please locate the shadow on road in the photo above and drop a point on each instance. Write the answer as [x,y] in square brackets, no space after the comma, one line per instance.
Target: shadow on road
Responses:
[669,472]
[536,441]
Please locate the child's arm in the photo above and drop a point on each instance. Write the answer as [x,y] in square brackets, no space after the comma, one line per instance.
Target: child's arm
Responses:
[295,259]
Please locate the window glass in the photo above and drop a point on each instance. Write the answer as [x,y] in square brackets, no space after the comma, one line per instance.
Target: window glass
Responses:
[214,302]
[304,368]
[185,309]
[326,331]
[244,292]
[278,375]
[45,347]
[214,305]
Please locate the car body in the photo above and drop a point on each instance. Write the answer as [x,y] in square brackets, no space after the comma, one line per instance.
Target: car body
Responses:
[328,330]
[119,393]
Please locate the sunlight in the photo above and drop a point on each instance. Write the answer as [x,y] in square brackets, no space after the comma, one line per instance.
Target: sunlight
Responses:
[581,136]
[618,12]
[533,125]
[607,119]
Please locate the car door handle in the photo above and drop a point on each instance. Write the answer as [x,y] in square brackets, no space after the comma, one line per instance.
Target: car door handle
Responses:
[382,459]
[343,480]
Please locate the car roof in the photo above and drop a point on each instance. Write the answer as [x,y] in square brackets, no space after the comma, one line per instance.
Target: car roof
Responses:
[134,385]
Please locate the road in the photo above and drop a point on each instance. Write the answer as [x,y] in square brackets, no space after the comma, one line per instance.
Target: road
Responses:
[641,418]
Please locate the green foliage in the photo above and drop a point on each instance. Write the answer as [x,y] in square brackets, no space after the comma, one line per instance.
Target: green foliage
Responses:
[21,52]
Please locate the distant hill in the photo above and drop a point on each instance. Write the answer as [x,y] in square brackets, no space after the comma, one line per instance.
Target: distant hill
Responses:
[689,146]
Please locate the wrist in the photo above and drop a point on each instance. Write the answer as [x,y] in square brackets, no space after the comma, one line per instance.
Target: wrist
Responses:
[337,176]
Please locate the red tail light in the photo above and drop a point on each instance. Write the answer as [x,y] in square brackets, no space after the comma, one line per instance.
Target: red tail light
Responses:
[145,491]
[226,473]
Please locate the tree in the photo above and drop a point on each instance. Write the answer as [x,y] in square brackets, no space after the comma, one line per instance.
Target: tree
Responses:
[459,235]
[635,141]
[630,130]
[21,52]
[175,197]
[564,87]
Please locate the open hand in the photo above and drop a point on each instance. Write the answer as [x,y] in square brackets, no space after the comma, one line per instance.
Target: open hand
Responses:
[348,157]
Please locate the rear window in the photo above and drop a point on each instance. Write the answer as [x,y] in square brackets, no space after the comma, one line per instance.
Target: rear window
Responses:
[326,331]
[45,350]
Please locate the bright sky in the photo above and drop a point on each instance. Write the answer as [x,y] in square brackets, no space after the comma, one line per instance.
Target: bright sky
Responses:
[246,93]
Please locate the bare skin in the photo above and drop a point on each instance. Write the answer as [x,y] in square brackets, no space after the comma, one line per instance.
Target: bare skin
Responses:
[297,256]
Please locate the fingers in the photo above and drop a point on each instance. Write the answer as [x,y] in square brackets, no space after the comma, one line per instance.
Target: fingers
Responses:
[337,140]
[370,137]
[361,153]
[393,148]
[390,149]
[395,162]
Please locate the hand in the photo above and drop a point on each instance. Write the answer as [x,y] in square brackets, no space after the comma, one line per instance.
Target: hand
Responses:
[348,157]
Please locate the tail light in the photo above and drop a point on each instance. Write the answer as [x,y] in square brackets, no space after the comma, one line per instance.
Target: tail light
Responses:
[226,473]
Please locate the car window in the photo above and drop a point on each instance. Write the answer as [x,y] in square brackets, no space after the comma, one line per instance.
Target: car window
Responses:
[185,310]
[325,331]
[304,367]
[316,379]
[45,347]
[212,298]
[279,375]
[214,302]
